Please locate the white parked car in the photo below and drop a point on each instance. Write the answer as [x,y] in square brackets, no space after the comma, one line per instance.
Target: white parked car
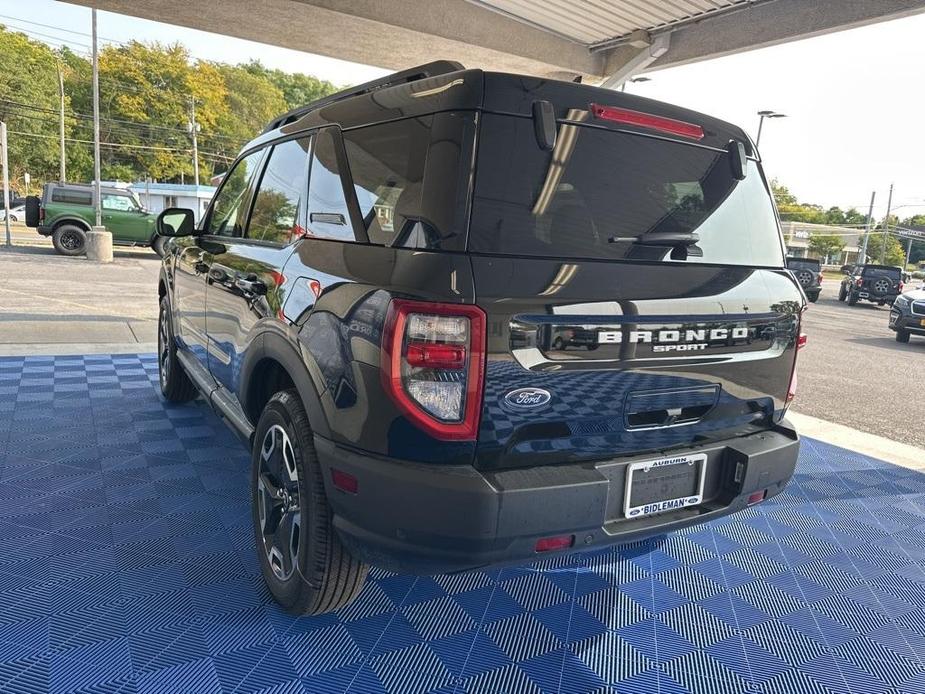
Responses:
[17,214]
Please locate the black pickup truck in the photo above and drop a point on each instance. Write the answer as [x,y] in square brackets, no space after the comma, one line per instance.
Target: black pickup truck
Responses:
[465,318]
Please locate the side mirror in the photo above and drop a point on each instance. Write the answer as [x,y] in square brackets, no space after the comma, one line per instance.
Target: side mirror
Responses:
[174,222]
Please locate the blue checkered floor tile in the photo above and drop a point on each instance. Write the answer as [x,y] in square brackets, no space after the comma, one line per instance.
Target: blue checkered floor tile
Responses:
[127,566]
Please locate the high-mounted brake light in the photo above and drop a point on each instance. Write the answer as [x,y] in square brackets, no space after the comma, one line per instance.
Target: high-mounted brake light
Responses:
[433,365]
[647,120]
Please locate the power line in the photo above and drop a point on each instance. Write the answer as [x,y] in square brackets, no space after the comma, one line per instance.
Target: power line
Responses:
[124,145]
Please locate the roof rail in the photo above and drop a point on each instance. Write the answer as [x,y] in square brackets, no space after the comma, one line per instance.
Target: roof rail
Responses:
[438,67]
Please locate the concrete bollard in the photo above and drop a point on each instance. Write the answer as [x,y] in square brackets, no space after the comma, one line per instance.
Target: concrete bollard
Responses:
[99,245]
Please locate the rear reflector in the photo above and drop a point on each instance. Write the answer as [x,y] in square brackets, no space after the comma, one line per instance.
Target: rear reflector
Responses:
[801,341]
[435,356]
[757,496]
[647,120]
[345,481]
[550,544]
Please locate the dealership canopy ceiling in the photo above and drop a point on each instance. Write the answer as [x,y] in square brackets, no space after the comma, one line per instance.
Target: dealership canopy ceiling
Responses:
[601,40]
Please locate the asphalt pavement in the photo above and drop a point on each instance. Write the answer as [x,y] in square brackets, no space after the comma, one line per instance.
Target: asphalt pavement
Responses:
[853,372]
[49,300]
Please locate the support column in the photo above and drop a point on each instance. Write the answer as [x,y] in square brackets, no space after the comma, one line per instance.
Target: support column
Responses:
[641,51]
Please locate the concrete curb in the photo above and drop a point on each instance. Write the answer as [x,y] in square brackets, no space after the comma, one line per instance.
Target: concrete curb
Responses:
[57,349]
[871,445]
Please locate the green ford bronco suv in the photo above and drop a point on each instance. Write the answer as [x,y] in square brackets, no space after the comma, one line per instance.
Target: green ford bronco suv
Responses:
[66,213]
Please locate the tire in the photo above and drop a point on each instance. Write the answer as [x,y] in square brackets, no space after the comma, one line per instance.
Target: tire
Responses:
[842,293]
[852,299]
[70,240]
[176,386]
[305,566]
[558,344]
[159,245]
[902,336]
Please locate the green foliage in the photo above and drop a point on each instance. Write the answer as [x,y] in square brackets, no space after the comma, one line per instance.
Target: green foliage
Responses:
[791,210]
[826,246]
[887,250]
[146,94]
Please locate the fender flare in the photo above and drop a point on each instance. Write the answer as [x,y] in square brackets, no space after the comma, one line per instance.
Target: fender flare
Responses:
[271,344]
[76,221]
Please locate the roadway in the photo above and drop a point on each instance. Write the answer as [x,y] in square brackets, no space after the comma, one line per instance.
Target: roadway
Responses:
[853,372]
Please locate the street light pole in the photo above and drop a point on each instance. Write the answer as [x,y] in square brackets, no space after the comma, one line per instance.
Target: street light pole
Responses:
[62,172]
[886,226]
[97,189]
[763,115]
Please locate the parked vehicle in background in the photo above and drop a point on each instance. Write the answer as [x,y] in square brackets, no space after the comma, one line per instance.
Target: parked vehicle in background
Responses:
[907,316]
[384,299]
[879,284]
[808,272]
[17,214]
[15,201]
[66,213]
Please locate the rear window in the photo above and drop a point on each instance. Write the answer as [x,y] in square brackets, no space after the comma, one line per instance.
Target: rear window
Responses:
[599,193]
[803,263]
[892,272]
[412,179]
[74,197]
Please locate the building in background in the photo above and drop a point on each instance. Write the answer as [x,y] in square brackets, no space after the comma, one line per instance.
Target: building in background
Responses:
[159,196]
[797,236]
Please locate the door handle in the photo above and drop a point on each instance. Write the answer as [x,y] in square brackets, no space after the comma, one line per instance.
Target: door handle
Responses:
[251,285]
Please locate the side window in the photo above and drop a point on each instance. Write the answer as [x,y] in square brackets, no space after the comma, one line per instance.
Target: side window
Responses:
[277,210]
[412,179]
[74,197]
[117,203]
[229,207]
[328,213]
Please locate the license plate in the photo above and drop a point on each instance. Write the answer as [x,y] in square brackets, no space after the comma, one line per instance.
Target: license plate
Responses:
[863,295]
[667,484]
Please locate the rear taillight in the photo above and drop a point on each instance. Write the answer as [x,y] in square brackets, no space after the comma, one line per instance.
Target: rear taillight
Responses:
[901,285]
[433,362]
[41,214]
[860,282]
[648,121]
[802,340]
[819,278]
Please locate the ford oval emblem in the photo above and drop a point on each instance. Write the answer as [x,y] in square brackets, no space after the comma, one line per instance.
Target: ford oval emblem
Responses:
[528,398]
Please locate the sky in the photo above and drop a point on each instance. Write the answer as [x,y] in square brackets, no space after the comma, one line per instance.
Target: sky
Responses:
[854,100]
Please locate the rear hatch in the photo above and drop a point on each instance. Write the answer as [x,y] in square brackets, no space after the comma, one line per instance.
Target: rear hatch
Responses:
[881,280]
[635,290]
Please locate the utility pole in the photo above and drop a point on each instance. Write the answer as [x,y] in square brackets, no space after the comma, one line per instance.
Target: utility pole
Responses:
[886,226]
[6,183]
[61,174]
[193,128]
[96,127]
[862,257]
[99,241]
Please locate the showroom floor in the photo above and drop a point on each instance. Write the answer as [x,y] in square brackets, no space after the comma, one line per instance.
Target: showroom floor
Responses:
[127,565]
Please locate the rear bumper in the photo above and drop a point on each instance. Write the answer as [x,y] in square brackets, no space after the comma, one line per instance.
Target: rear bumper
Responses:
[430,519]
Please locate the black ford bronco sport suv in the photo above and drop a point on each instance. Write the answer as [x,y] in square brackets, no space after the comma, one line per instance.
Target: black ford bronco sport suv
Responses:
[393,296]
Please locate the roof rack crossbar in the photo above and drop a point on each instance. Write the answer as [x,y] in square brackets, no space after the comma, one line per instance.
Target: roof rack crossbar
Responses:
[438,67]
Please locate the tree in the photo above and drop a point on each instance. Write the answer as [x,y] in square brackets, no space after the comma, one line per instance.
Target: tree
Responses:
[297,89]
[826,246]
[887,250]
[29,106]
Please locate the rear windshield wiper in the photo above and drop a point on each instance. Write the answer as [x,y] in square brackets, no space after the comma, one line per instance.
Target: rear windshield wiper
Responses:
[683,241]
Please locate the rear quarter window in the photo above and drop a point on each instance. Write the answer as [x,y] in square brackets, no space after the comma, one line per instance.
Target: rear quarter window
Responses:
[73,197]
[600,192]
